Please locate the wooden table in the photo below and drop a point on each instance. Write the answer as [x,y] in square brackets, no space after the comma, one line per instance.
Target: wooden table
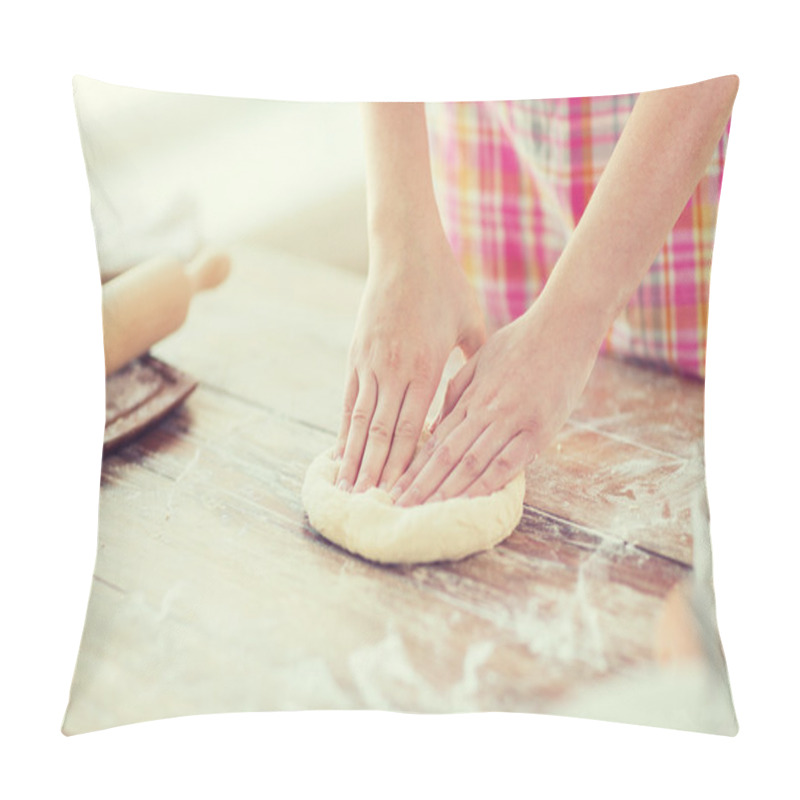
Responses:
[212,594]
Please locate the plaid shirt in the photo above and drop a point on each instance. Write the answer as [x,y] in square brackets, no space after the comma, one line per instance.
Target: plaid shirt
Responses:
[512,181]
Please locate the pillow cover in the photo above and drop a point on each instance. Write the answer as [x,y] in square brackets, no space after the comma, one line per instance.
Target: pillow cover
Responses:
[212,593]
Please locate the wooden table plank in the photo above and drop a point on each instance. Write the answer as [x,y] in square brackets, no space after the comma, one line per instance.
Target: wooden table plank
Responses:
[211,593]
[644,405]
[636,494]
[275,333]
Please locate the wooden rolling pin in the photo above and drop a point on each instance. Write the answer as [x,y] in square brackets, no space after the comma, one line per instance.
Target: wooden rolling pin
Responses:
[149,301]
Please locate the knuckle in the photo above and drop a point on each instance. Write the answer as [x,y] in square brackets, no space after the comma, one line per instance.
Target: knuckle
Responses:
[533,427]
[360,417]
[470,463]
[502,464]
[480,488]
[444,456]
[424,365]
[406,430]
[386,357]
[393,356]
[379,431]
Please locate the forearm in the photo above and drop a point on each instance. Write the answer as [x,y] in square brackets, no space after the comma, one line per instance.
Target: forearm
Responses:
[662,154]
[400,199]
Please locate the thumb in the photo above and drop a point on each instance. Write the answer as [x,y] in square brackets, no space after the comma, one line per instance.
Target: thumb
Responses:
[473,336]
[455,388]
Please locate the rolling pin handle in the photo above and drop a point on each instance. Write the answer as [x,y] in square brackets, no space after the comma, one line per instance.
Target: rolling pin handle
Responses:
[207,270]
[150,301]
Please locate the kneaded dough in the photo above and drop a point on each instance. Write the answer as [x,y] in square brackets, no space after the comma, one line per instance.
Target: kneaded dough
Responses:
[370,525]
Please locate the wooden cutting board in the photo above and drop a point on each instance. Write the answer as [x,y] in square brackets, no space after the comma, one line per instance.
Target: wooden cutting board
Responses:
[138,396]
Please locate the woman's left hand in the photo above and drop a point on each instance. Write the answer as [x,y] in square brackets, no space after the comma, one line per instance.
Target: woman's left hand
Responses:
[502,408]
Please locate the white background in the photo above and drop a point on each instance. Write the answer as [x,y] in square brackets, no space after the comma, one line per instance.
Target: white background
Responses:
[53,400]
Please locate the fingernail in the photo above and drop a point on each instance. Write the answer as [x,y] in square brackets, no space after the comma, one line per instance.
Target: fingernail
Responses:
[395,493]
[437,498]
[344,485]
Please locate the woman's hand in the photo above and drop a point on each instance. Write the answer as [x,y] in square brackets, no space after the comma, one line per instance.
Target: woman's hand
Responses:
[503,407]
[417,306]
[511,398]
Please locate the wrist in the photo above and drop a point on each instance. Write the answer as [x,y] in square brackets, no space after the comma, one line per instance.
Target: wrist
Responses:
[404,211]
[587,290]
[580,321]
[405,241]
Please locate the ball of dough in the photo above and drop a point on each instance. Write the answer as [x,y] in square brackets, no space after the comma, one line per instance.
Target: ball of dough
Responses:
[370,525]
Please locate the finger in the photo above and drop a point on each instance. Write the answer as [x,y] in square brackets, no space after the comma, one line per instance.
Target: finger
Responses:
[446,426]
[504,467]
[445,457]
[406,433]
[473,463]
[379,436]
[357,436]
[423,455]
[350,397]
[456,387]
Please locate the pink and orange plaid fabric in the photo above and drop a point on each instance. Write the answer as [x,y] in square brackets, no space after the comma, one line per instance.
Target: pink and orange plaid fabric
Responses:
[512,181]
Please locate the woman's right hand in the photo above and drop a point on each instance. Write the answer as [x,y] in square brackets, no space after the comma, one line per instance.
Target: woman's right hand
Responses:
[416,308]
